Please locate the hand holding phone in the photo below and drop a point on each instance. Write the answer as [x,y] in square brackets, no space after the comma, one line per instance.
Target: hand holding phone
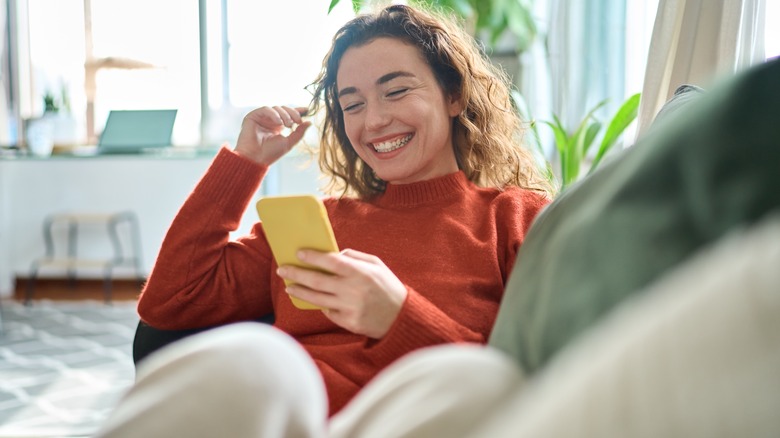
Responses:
[292,223]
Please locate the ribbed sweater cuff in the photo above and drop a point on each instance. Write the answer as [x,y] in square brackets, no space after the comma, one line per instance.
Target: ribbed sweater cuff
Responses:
[419,324]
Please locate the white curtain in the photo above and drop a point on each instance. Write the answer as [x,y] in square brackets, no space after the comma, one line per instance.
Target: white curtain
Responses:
[576,62]
[697,42]
[5,122]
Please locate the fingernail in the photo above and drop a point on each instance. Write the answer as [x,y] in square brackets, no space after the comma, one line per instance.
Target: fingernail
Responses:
[281,272]
[301,255]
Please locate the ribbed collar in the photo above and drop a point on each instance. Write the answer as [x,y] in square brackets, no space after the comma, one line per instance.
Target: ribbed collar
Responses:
[398,195]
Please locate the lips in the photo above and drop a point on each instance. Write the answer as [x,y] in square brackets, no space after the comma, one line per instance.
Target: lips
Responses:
[389,146]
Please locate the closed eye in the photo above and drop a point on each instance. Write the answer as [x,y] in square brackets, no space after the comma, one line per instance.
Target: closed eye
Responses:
[351,107]
[396,93]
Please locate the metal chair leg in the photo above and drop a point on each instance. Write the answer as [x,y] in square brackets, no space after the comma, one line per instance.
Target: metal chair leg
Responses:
[30,290]
[107,292]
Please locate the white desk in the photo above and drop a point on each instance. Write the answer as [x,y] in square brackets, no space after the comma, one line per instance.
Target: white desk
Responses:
[154,187]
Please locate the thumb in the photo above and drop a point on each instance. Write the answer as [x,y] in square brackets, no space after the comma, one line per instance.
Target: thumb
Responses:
[297,134]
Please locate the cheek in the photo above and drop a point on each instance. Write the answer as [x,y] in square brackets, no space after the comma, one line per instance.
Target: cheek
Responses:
[352,131]
[353,135]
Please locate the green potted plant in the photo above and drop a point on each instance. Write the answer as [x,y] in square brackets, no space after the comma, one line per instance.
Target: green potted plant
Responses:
[50,103]
[56,112]
[573,147]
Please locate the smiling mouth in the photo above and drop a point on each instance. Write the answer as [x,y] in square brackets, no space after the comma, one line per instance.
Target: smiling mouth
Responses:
[389,146]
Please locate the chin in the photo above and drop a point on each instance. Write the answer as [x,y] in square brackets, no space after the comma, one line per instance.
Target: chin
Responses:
[391,177]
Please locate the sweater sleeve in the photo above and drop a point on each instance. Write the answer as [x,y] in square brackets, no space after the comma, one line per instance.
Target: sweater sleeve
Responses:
[523,215]
[421,323]
[201,278]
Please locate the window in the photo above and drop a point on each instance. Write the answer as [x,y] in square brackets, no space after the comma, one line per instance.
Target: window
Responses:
[146,54]
[262,53]
[256,53]
[772,35]
[102,55]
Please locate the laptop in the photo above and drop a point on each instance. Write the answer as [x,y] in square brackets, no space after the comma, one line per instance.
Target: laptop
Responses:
[136,131]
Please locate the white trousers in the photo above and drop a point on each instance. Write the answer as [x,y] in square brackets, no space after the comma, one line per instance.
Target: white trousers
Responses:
[697,355]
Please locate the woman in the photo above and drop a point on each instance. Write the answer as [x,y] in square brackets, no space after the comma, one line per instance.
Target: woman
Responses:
[421,144]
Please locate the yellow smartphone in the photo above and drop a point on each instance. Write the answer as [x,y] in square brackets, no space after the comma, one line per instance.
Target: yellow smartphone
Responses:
[292,223]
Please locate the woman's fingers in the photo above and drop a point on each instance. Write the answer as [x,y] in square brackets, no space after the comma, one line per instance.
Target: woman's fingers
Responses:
[284,115]
[338,266]
[297,134]
[317,297]
[342,263]
[274,118]
[309,278]
[357,255]
[262,137]
[290,116]
[361,293]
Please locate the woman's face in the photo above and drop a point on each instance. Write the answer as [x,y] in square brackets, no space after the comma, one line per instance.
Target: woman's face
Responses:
[396,115]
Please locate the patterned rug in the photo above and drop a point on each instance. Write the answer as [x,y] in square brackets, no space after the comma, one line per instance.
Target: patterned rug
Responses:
[63,365]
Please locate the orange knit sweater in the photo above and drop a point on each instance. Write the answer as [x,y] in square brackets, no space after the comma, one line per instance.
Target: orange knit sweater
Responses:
[452,243]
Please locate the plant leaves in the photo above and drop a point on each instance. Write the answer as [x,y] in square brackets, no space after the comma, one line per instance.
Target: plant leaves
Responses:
[461,7]
[521,23]
[590,135]
[561,136]
[622,119]
[573,160]
[333,4]
[563,144]
[497,29]
[584,125]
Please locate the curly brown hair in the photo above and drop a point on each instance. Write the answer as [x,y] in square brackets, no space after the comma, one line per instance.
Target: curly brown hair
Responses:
[487,134]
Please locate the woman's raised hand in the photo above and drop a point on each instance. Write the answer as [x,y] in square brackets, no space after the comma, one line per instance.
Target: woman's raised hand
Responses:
[261,138]
[361,295]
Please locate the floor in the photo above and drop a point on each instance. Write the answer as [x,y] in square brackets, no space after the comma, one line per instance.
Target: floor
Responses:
[66,360]
[62,289]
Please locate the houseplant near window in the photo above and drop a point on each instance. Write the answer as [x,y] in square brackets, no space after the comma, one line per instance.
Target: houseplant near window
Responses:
[64,129]
[574,147]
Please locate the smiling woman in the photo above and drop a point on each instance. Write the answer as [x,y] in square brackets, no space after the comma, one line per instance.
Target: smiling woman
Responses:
[436,196]
[486,131]
[397,121]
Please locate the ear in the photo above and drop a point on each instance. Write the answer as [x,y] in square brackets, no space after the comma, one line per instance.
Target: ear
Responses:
[455,105]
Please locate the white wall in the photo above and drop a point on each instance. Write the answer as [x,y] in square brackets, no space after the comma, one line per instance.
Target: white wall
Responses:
[152,187]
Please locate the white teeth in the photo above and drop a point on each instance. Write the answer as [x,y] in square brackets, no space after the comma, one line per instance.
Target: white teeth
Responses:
[389,146]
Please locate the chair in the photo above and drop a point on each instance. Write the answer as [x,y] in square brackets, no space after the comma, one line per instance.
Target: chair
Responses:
[148,339]
[128,254]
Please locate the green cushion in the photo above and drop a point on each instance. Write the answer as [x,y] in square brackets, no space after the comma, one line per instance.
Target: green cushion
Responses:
[713,167]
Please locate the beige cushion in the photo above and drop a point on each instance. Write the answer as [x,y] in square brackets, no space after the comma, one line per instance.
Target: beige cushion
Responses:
[697,355]
[714,167]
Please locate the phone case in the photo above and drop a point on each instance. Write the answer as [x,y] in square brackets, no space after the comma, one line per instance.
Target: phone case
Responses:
[292,223]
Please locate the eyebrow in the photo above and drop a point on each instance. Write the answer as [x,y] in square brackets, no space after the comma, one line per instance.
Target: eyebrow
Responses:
[382,80]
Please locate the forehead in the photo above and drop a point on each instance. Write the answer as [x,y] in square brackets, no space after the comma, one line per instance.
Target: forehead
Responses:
[367,62]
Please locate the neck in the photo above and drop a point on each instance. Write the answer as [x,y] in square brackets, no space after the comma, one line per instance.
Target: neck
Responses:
[424,191]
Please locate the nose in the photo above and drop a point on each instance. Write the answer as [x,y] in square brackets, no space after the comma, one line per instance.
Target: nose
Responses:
[377,116]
